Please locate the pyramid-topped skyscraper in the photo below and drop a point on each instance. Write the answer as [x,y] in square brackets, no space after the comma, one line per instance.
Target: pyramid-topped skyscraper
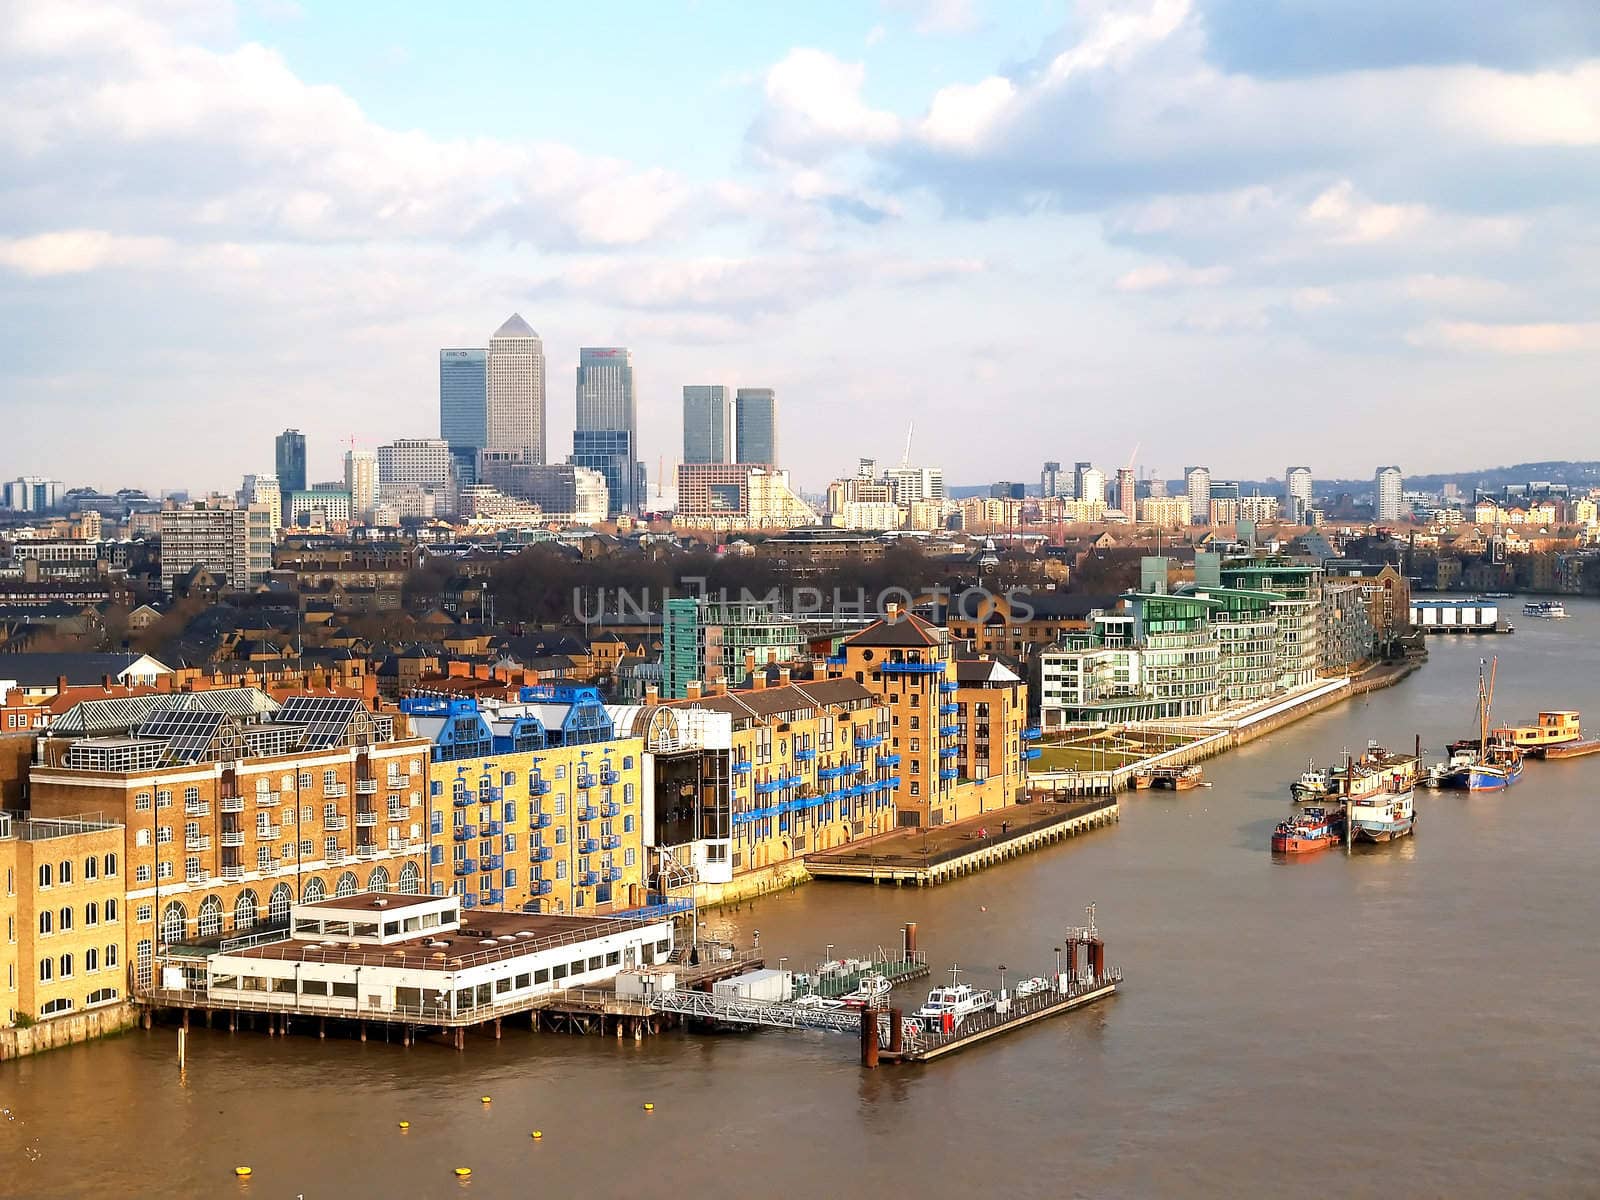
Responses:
[514,391]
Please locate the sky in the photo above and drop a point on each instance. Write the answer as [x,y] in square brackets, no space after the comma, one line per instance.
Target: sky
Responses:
[1244,233]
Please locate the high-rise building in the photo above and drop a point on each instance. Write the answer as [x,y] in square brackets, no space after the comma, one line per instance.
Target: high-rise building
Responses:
[233,542]
[914,484]
[1127,498]
[1390,489]
[31,493]
[1079,470]
[418,463]
[1092,484]
[361,481]
[464,407]
[265,490]
[1050,480]
[1297,493]
[606,436]
[291,463]
[707,423]
[1197,483]
[514,408]
[758,425]
[565,493]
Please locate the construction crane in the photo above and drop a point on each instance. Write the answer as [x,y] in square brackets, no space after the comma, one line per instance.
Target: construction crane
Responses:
[905,459]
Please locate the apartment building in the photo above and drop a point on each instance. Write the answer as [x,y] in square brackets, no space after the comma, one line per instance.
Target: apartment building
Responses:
[232,806]
[226,540]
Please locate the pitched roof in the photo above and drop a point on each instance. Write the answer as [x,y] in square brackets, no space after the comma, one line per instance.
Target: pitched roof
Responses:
[39,669]
[907,629]
[515,327]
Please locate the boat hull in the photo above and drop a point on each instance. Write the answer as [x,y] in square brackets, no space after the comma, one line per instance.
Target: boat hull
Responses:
[1288,844]
[1573,749]
[1385,831]
[1482,777]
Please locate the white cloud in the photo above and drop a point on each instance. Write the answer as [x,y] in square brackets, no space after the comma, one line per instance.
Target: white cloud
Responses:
[941,17]
[1344,216]
[1531,339]
[74,251]
[814,104]
[1157,277]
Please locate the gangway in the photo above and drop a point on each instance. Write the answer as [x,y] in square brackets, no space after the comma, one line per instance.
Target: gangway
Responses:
[736,1010]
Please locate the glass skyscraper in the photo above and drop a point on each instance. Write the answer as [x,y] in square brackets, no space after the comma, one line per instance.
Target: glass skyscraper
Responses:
[707,423]
[291,459]
[464,407]
[758,425]
[607,436]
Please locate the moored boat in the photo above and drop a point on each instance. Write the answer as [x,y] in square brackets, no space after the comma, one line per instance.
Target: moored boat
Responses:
[1308,831]
[1574,749]
[1489,764]
[1549,610]
[872,988]
[1549,731]
[948,1007]
[1176,779]
[1318,783]
[1383,816]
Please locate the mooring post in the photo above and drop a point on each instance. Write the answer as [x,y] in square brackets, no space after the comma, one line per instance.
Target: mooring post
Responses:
[869,1037]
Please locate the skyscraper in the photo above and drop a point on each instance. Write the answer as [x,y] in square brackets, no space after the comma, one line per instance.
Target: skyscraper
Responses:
[361,481]
[1126,492]
[1390,489]
[606,436]
[1197,482]
[264,490]
[707,423]
[417,465]
[464,407]
[758,425]
[1297,492]
[1092,484]
[1079,470]
[291,458]
[1050,480]
[514,390]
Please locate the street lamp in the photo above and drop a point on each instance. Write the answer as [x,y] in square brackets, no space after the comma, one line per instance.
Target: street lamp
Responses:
[1002,981]
[1058,968]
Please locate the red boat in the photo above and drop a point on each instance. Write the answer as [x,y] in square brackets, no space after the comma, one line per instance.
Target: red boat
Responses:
[1309,831]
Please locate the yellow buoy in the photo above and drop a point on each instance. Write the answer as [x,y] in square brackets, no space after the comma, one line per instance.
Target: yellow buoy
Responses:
[241,1172]
[537,1134]
[405,1124]
[486,1099]
[649,1108]
[463,1172]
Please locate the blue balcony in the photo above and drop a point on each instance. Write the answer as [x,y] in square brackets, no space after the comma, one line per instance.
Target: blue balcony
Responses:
[464,799]
[871,741]
[537,786]
[608,776]
[586,781]
[466,866]
[741,768]
[613,809]
[539,821]
[490,795]
[493,862]
[1032,732]
[465,833]
[836,660]
[614,874]
[949,773]
[768,787]
[911,668]
[1031,753]
[793,781]
[539,854]
[949,751]
[539,887]
[588,879]
[588,846]
[469,902]
[493,829]
[893,781]
[949,730]
[588,812]
[493,896]
[888,760]
[611,841]
[949,685]
[805,755]
[838,772]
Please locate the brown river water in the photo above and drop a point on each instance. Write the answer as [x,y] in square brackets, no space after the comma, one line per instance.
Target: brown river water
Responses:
[1419,1019]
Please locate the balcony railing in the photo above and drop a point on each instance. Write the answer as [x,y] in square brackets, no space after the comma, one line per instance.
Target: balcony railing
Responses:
[334,824]
[1032,732]
[950,773]
[949,730]
[589,878]
[949,685]
[335,791]
[614,874]
[231,804]
[465,833]
[539,854]
[466,866]
[805,754]
[948,710]
[493,829]
[336,855]
[233,839]
[366,819]
[608,776]
[196,877]
[537,786]
[464,800]
[869,742]
[888,760]
[611,809]
[200,841]
[588,813]
[949,751]
[540,821]
[232,871]
[367,849]
[493,862]
[268,799]
[366,787]
[540,887]
[586,781]
[611,841]
[911,668]
[741,768]
[588,846]
[196,808]
[266,833]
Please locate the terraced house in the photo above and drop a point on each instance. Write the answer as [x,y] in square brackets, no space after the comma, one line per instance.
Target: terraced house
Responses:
[535,804]
[231,806]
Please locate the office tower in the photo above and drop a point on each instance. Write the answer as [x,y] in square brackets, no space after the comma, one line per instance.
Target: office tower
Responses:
[233,542]
[291,463]
[1297,493]
[866,468]
[514,390]
[566,494]
[1390,489]
[1126,488]
[758,425]
[361,482]
[913,484]
[1050,480]
[1092,484]
[707,423]
[1225,489]
[1158,488]
[264,490]
[464,407]
[417,464]
[606,436]
[1079,470]
[31,493]
[1197,482]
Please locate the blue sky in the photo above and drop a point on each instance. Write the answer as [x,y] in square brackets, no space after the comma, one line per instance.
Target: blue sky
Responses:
[1238,232]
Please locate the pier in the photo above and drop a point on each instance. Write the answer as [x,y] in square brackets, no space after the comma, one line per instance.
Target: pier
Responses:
[925,857]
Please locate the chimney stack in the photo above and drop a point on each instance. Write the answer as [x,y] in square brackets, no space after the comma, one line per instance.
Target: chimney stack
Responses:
[783,677]
[652,694]
[692,689]
[891,611]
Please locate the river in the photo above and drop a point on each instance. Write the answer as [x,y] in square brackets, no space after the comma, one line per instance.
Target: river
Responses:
[1411,1020]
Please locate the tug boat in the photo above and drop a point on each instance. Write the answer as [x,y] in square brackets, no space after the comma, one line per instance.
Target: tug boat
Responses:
[1308,831]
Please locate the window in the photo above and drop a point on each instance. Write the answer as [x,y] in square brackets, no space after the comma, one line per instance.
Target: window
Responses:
[164,835]
[163,870]
[141,874]
[91,867]
[561,805]
[47,922]
[191,795]
[263,858]
[111,911]
[66,966]
[141,802]
[45,875]
[511,843]
[330,812]
[146,913]
[305,779]
[47,970]
[561,835]
[561,869]
[108,867]
[627,793]
[141,837]
[91,913]
[307,813]
[191,867]
[330,847]
[305,848]
[627,823]
[111,955]
[511,877]
[330,779]
[164,799]
[628,857]
[91,960]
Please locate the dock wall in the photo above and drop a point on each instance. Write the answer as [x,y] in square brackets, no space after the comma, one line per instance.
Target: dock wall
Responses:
[67,1030]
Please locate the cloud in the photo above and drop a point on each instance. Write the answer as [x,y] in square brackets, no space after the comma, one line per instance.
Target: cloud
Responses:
[941,17]
[814,105]
[74,251]
[1155,277]
[1509,339]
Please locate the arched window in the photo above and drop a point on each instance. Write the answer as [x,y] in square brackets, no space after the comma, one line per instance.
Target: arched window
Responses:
[174,920]
[108,866]
[91,960]
[278,904]
[378,881]
[91,913]
[44,874]
[47,970]
[66,966]
[64,920]
[210,920]
[47,921]
[315,890]
[64,871]
[347,885]
[111,954]
[245,910]
[410,880]
[111,911]
[91,867]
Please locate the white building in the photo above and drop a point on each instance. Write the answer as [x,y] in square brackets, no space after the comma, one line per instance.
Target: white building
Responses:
[859,514]
[225,539]
[31,493]
[424,463]
[1093,485]
[1389,486]
[1297,493]
[916,483]
[265,490]
[1197,483]
[514,390]
[320,509]
[361,481]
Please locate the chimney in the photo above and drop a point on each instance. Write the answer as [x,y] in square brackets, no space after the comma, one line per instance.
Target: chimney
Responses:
[759,680]
[455,670]
[163,683]
[652,694]
[783,676]
[749,662]
[61,685]
[891,612]
[480,671]
[106,682]
[369,691]
[692,689]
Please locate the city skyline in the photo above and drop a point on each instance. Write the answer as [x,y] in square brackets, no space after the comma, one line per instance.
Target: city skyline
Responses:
[870,218]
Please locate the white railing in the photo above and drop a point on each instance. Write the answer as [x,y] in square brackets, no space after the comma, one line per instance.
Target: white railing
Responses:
[232,871]
[266,833]
[366,820]
[334,824]
[198,842]
[333,791]
[231,804]
[268,799]
[196,808]
[366,787]
[233,840]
